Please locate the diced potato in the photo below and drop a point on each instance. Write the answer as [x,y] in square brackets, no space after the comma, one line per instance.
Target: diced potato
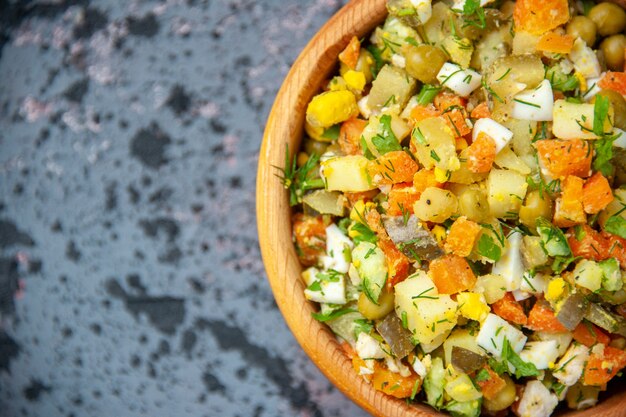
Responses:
[491,286]
[506,191]
[588,274]
[513,74]
[435,205]
[375,127]
[435,145]
[346,173]
[392,86]
[575,120]
[507,159]
[614,207]
[524,43]
[493,45]
[523,133]
[436,28]
[460,50]
[428,314]
[533,254]
[472,200]
[331,107]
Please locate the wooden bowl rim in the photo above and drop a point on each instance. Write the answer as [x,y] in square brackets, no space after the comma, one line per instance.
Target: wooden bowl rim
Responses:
[285,126]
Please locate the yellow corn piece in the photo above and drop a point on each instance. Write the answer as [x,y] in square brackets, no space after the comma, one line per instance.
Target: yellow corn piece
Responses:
[355,80]
[331,107]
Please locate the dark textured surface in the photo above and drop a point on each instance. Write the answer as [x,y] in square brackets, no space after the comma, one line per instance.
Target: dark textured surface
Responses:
[130,275]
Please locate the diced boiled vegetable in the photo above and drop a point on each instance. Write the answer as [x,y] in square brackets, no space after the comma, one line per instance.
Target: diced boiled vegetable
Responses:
[542,318]
[434,144]
[392,168]
[434,381]
[481,153]
[555,43]
[461,81]
[491,287]
[602,367]
[510,310]
[508,159]
[332,107]
[494,330]
[392,86]
[576,120]
[370,263]
[350,55]
[580,397]
[615,81]
[553,239]
[510,266]
[597,194]
[460,388]
[534,104]
[540,16]
[350,136]
[325,202]
[435,205]
[462,236]
[588,274]
[346,173]
[506,191]
[589,334]
[561,158]
[376,311]
[569,207]
[310,238]
[533,255]
[452,274]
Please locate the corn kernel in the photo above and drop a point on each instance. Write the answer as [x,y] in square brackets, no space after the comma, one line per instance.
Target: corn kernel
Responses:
[331,107]
[440,233]
[355,79]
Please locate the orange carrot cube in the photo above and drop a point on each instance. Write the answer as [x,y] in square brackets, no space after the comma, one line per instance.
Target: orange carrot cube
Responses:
[445,101]
[452,274]
[462,236]
[401,199]
[589,334]
[456,120]
[392,168]
[349,139]
[350,55]
[540,16]
[424,112]
[310,236]
[481,154]
[423,179]
[555,43]
[614,81]
[509,309]
[565,157]
[569,207]
[597,194]
[481,111]
[542,319]
[492,386]
[601,368]
[394,384]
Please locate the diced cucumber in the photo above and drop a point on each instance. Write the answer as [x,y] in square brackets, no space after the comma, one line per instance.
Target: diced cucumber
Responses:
[434,382]
[371,265]
[464,409]
[611,275]
[552,238]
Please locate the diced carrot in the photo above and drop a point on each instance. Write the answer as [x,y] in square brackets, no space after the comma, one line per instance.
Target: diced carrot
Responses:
[350,55]
[424,112]
[568,210]
[540,16]
[491,387]
[481,154]
[310,236]
[601,368]
[397,262]
[565,157]
[597,194]
[401,199]
[425,178]
[362,195]
[541,318]
[358,364]
[481,111]
[591,244]
[589,334]
[509,309]
[616,248]
[392,168]
[614,81]
[462,236]
[350,136]
[456,120]
[555,43]
[445,101]
[394,384]
[460,144]
[452,274]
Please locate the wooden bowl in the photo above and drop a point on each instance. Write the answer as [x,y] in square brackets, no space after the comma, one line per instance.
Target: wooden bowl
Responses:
[285,127]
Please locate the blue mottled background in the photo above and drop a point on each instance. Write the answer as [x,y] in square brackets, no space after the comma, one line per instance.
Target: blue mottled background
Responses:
[130,275]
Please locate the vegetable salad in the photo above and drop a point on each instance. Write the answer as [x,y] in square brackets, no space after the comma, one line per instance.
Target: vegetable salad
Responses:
[461,204]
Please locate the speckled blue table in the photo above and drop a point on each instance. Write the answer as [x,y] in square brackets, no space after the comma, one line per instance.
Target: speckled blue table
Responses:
[130,276]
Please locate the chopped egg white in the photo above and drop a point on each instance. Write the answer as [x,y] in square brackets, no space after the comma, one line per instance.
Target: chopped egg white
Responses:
[331,292]
[510,265]
[424,9]
[535,283]
[584,59]
[540,353]
[536,401]
[620,141]
[500,134]
[562,340]
[592,88]
[338,248]
[369,348]
[534,104]
[492,333]
[461,81]
[398,60]
[569,369]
